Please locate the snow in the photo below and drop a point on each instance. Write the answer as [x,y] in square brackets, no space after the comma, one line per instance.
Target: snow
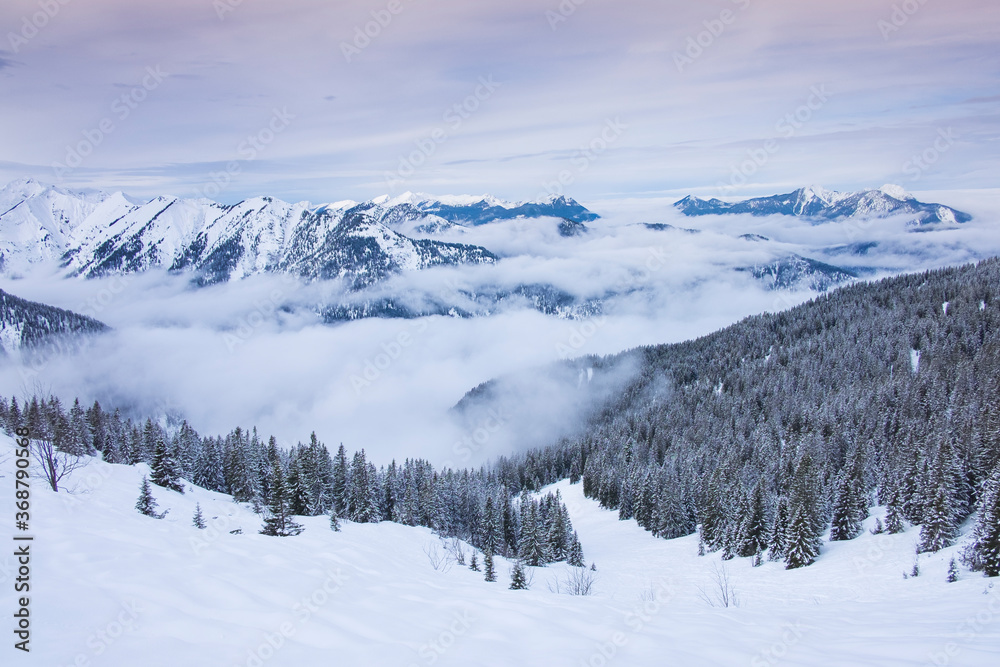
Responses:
[114,588]
[896,191]
[944,307]
[914,360]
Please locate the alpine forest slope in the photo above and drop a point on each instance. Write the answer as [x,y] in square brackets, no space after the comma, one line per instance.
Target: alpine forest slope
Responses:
[30,326]
[769,432]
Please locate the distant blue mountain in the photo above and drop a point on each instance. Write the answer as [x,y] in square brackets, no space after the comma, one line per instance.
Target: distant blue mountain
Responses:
[490,210]
[819,204]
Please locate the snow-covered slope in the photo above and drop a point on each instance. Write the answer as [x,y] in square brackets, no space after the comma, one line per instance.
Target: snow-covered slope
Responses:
[818,203]
[111,587]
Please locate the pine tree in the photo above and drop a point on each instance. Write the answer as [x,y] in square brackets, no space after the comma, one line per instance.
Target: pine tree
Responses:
[983,552]
[474,563]
[488,570]
[340,499]
[518,579]
[805,524]
[199,520]
[802,543]
[279,522]
[952,572]
[146,503]
[938,530]
[575,557]
[776,540]
[752,532]
[164,468]
[492,532]
[846,523]
[334,522]
[893,514]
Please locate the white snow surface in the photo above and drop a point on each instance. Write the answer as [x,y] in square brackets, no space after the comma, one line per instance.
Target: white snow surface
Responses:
[113,588]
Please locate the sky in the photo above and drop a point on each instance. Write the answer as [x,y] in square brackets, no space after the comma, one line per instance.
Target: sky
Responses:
[597,99]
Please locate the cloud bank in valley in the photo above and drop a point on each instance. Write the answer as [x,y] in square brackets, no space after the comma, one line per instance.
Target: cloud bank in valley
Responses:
[254,352]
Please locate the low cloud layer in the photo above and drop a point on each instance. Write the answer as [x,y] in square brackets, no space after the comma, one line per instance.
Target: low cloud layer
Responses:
[229,355]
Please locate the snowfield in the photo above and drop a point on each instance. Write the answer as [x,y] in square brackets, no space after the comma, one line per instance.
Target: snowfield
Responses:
[110,587]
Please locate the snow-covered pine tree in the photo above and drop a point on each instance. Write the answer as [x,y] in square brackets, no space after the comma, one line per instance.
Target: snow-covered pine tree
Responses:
[147,503]
[79,439]
[776,538]
[518,579]
[531,548]
[474,563]
[805,524]
[575,557]
[489,571]
[279,522]
[492,533]
[340,500]
[752,533]
[164,468]
[334,521]
[198,521]
[846,522]
[952,572]
[938,530]
[983,552]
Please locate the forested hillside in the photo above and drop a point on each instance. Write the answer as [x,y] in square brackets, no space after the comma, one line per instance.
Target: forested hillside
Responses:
[29,325]
[767,432]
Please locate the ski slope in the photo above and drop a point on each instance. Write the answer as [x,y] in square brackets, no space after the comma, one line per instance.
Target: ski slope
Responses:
[113,588]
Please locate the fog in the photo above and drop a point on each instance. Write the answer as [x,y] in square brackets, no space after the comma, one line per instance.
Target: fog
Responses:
[255,353]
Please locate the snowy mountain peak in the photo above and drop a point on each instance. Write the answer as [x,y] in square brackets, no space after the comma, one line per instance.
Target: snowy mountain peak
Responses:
[817,203]
[896,192]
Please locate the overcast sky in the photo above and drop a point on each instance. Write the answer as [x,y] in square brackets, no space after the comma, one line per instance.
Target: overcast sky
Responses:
[339,114]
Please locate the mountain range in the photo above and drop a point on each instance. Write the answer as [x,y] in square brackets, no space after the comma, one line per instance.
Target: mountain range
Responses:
[92,234]
[820,204]
[362,245]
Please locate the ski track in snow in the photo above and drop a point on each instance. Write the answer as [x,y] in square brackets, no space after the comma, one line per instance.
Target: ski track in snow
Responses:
[113,588]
